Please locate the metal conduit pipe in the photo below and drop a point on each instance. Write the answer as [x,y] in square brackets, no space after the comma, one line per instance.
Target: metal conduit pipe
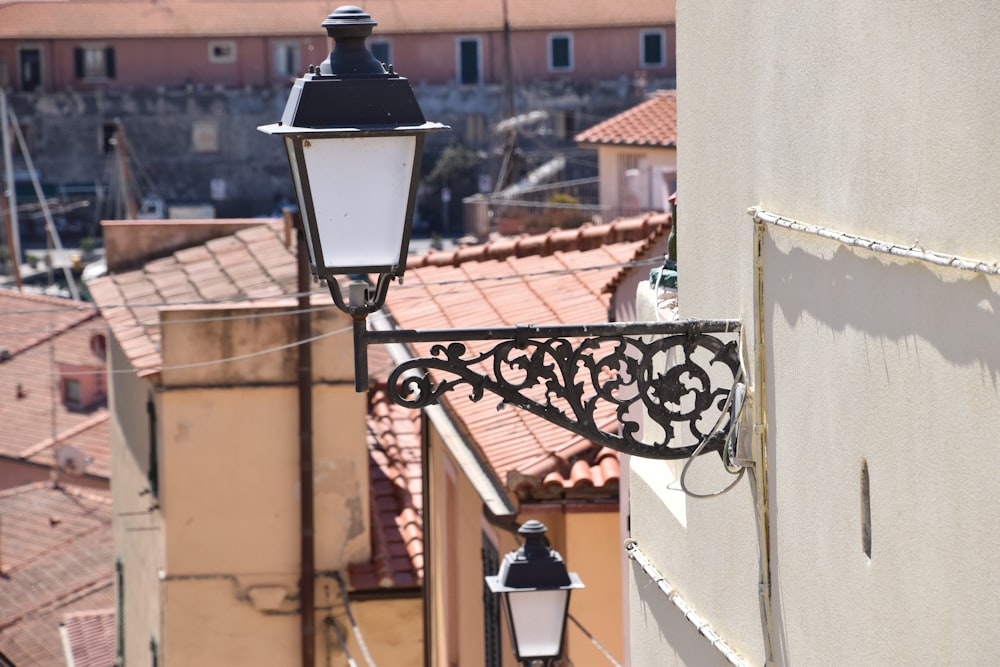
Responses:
[916,251]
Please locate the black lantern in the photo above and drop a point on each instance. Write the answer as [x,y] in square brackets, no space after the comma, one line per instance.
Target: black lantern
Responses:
[535,587]
[354,134]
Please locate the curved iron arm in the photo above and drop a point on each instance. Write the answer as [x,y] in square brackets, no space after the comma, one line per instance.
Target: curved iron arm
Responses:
[567,374]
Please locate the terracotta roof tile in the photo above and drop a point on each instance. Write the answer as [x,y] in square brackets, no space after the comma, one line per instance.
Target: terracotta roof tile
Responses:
[91,637]
[34,19]
[252,262]
[502,287]
[586,237]
[40,333]
[57,557]
[652,123]
[396,497]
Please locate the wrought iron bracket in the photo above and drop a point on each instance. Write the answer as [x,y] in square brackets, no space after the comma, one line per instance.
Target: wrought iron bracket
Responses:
[595,380]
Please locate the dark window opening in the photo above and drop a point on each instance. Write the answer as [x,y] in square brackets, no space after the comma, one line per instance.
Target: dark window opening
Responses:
[652,49]
[30,69]
[560,52]
[468,57]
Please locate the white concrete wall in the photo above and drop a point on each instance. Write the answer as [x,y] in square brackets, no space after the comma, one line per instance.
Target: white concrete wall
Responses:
[875,119]
[648,183]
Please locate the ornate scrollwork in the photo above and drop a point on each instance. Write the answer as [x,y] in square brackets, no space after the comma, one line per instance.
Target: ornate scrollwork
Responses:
[680,379]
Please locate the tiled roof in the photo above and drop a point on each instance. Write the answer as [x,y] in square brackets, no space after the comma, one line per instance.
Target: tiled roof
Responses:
[494,284]
[652,123]
[654,221]
[253,262]
[56,557]
[586,237]
[38,332]
[91,637]
[396,497]
[95,19]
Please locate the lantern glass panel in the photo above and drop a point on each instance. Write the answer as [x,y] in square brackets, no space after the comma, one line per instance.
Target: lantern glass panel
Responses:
[360,191]
[297,181]
[539,617]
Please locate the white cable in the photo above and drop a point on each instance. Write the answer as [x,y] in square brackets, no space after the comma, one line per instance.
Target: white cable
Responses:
[734,424]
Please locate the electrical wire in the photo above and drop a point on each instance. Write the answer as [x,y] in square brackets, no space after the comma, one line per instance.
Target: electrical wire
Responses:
[354,624]
[733,426]
[593,640]
[403,286]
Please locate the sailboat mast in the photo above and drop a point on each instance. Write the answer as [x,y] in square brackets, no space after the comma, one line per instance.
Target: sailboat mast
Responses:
[14,235]
[125,171]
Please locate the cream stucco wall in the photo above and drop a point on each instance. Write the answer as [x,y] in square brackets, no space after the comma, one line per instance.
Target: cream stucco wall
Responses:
[137,525]
[224,525]
[648,192]
[874,119]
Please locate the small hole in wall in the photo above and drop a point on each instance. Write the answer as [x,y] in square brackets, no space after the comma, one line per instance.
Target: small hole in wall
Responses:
[866,511]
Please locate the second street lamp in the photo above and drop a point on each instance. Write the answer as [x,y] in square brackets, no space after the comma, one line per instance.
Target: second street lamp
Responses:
[535,586]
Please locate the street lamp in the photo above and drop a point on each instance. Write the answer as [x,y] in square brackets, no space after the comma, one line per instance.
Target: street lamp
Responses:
[535,587]
[354,133]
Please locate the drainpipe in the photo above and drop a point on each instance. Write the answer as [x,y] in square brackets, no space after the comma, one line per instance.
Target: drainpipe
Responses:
[307,585]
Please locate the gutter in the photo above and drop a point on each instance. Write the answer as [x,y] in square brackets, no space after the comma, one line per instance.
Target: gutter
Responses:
[476,469]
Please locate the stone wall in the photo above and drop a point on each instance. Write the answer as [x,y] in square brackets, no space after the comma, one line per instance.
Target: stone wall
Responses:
[197,146]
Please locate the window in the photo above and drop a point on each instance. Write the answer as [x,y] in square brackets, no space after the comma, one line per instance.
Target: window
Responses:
[94,62]
[108,132]
[382,50]
[652,48]
[560,52]
[71,392]
[29,68]
[469,60]
[287,60]
[222,52]
[205,135]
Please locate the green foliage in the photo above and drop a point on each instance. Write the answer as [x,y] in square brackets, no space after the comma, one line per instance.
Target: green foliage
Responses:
[563,198]
[457,166]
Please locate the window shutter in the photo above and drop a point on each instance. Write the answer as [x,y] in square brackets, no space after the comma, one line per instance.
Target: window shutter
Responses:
[78,62]
[153,472]
[109,62]
[120,613]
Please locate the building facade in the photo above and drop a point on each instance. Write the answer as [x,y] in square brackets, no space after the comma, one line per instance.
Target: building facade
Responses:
[190,80]
[209,409]
[861,140]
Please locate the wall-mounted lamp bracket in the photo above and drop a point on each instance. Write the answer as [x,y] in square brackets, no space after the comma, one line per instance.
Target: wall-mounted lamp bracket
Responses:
[595,380]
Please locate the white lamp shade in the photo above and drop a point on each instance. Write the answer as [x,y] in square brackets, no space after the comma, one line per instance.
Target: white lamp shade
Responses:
[538,618]
[357,207]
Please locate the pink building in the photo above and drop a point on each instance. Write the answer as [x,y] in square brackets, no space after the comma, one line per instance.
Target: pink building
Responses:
[46,46]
